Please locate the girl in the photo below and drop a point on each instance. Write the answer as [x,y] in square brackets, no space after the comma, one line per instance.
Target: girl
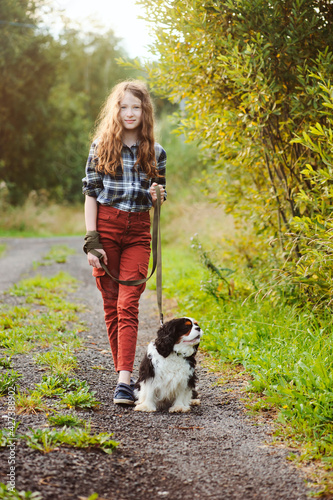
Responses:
[123,166]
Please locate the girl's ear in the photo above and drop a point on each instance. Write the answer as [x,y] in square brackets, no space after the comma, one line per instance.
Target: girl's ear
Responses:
[165,341]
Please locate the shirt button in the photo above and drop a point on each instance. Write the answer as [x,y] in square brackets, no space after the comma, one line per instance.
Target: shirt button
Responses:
[132,183]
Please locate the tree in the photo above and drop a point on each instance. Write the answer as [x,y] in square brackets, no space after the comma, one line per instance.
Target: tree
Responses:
[242,68]
[51,92]
[28,64]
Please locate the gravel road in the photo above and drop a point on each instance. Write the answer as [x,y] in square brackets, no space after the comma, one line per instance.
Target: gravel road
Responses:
[214,452]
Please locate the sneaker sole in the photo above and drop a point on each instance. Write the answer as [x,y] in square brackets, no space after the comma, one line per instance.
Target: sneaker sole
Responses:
[123,402]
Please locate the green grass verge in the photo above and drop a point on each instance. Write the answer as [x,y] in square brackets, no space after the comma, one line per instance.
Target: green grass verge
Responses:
[287,351]
[58,254]
[45,319]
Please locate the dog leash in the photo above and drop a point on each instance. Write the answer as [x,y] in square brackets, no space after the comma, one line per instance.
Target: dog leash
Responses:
[92,239]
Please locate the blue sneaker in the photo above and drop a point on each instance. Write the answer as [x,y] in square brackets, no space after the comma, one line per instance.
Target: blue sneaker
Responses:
[133,382]
[124,394]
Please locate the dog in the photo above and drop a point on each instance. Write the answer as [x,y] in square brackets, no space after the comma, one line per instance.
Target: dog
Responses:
[167,372]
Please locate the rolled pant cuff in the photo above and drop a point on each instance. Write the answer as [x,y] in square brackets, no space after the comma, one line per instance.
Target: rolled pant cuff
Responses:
[125,368]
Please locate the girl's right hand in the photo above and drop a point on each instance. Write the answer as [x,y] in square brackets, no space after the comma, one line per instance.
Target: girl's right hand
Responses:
[94,261]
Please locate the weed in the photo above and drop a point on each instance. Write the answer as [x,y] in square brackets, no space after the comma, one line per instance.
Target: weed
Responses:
[30,402]
[5,362]
[58,254]
[66,420]
[7,435]
[57,361]
[80,398]
[8,494]
[46,440]
[52,386]
[8,381]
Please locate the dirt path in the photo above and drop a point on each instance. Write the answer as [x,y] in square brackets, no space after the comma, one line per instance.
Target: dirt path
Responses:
[214,452]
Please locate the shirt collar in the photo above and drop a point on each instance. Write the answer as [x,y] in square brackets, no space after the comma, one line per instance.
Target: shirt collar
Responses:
[136,144]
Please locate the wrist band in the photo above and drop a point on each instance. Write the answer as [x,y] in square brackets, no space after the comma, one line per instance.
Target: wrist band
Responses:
[92,242]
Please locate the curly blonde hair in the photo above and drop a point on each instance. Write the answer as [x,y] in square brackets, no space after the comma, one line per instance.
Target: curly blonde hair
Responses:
[109,130]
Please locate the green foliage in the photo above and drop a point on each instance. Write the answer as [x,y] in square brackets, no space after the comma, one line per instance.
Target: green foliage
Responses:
[66,420]
[23,328]
[41,290]
[30,402]
[58,361]
[287,350]
[28,67]
[183,163]
[51,91]
[247,88]
[8,435]
[312,229]
[81,398]
[5,362]
[58,254]
[218,275]
[52,386]
[7,494]
[8,380]
[46,440]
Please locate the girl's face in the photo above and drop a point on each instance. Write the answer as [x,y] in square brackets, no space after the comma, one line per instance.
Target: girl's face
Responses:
[130,112]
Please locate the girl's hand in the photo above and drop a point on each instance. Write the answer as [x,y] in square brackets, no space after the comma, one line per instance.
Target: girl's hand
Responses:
[153,193]
[94,261]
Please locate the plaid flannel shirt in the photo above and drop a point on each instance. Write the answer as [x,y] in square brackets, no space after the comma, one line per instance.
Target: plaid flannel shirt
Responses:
[128,190]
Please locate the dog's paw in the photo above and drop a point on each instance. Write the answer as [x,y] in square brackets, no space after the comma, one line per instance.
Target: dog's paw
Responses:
[195,402]
[179,409]
[143,407]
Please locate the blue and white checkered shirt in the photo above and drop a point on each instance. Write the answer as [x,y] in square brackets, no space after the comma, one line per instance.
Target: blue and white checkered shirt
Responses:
[128,190]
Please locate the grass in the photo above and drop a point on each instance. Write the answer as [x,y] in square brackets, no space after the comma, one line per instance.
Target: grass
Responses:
[30,402]
[81,398]
[57,361]
[58,254]
[46,440]
[44,319]
[60,420]
[8,380]
[8,494]
[53,386]
[42,220]
[285,350]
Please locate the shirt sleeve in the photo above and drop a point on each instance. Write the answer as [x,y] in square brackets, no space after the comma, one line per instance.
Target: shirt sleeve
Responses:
[92,183]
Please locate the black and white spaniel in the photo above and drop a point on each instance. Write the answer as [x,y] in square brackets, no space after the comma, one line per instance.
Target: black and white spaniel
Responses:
[167,372]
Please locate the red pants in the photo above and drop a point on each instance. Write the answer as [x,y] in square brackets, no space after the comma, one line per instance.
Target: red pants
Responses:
[125,237]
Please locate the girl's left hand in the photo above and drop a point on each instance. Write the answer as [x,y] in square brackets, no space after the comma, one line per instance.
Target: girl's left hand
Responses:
[153,193]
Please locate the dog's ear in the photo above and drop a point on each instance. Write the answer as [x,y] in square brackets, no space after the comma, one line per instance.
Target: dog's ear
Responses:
[167,336]
[164,342]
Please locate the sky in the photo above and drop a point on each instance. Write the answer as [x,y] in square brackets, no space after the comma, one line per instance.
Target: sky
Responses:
[120,15]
